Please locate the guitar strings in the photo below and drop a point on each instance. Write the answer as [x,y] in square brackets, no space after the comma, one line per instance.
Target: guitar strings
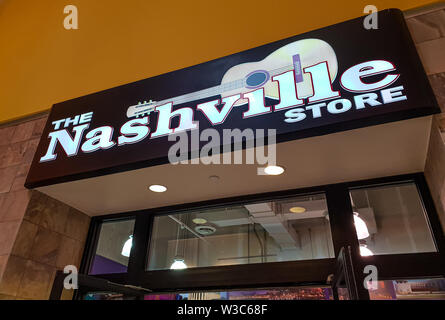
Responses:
[236,84]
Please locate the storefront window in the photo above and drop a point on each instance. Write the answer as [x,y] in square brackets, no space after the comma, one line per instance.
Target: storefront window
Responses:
[285,230]
[105,295]
[391,220]
[419,289]
[113,247]
[289,293]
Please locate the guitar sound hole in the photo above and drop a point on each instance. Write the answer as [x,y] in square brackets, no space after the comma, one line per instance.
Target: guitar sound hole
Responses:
[257,79]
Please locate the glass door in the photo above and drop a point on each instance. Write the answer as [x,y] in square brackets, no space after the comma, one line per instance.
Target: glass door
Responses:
[344,283]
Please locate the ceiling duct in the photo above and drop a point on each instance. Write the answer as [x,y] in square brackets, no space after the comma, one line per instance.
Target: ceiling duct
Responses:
[277,226]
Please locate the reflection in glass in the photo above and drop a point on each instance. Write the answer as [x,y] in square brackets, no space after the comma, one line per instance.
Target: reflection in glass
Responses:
[290,293]
[360,227]
[419,289]
[393,220]
[126,249]
[262,232]
[105,295]
[364,251]
[113,247]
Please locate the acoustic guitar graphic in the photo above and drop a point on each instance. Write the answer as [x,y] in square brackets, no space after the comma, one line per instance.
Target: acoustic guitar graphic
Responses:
[249,76]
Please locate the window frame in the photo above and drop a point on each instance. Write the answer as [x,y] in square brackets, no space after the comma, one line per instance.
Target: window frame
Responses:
[290,273]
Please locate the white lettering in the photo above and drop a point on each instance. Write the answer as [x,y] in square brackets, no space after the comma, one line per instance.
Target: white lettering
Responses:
[345,106]
[57,124]
[69,121]
[316,109]
[393,95]
[367,98]
[351,79]
[70,145]
[321,82]
[166,115]
[99,138]
[295,115]
[256,103]
[86,117]
[134,131]
[211,111]
[287,91]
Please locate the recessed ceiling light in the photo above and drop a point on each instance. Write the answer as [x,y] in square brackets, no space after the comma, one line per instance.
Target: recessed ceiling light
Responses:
[274,170]
[157,188]
[205,230]
[297,210]
[199,221]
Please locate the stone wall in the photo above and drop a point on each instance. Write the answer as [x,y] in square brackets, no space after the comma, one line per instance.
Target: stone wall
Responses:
[38,234]
[428,32]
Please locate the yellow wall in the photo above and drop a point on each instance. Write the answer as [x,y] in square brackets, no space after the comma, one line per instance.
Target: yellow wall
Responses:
[120,41]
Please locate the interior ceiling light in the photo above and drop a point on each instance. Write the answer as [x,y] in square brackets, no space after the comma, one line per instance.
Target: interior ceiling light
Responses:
[274,170]
[199,221]
[365,252]
[297,210]
[157,188]
[126,249]
[178,261]
[360,227]
[205,230]
[178,264]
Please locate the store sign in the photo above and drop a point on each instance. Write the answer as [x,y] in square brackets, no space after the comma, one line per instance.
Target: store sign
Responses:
[333,79]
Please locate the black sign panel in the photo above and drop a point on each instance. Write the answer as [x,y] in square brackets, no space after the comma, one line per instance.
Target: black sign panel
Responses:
[333,79]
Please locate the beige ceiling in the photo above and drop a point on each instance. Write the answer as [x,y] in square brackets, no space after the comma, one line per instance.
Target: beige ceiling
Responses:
[371,152]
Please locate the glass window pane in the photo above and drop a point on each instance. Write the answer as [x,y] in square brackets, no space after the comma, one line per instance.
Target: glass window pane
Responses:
[102,296]
[106,295]
[285,230]
[391,220]
[113,247]
[418,289]
[289,293]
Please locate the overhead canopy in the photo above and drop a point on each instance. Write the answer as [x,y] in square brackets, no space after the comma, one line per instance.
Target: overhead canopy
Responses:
[371,152]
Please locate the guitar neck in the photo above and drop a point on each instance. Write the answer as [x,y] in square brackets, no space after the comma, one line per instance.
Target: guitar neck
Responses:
[205,93]
[216,90]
